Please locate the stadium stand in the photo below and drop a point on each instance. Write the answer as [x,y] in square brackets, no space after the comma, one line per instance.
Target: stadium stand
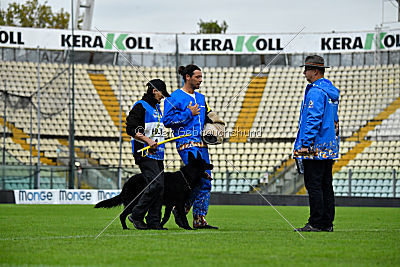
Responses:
[265,108]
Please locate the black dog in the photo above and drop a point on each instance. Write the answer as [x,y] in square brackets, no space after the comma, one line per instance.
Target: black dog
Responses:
[177,188]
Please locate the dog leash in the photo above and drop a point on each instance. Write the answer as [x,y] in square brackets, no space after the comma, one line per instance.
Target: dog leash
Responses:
[145,149]
[184,178]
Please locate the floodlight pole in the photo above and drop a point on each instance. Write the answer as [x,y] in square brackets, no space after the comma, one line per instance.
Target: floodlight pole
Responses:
[4,130]
[398,10]
[120,126]
[37,181]
[179,80]
[377,55]
[4,122]
[30,143]
[71,180]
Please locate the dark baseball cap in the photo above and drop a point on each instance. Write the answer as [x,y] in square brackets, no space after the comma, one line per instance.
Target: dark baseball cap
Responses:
[160,86]
[315,61]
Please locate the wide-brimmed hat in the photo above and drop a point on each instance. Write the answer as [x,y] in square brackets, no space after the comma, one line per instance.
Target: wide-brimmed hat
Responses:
[315,61]
[160,86]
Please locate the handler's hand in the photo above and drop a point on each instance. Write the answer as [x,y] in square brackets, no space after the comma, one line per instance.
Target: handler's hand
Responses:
[194,109]
[153,146]
[303,151]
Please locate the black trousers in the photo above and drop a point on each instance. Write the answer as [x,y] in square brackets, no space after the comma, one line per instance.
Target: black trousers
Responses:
[151,200]
[318,182]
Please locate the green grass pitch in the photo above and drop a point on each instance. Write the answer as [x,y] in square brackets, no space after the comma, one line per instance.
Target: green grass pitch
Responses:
[249,235]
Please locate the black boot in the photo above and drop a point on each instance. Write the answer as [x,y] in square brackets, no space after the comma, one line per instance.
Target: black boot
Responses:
[138,224]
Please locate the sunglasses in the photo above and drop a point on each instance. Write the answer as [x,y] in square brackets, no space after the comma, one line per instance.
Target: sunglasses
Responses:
[309,68]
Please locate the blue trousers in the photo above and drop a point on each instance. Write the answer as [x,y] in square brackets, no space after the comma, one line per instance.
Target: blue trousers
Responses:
[200,196]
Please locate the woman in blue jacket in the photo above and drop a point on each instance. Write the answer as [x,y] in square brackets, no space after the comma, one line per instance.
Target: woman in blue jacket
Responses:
[144,125]
[317,144]
[185,112]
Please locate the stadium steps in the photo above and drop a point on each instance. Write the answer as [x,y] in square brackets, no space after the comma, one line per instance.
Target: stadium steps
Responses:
[362,133]
[109,100]
[249,110]
[285,166]
[302,191]
[350,155]
[389,110]
[20,137]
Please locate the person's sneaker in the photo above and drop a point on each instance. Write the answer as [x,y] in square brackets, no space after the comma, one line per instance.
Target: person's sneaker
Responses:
[327,229]
[200,223]
[138,224]
[206,226]
[308,228]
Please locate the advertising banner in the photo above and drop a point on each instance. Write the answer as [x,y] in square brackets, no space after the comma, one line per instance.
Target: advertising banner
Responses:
[288,43]
[273,43]
[62,196]
[54,39]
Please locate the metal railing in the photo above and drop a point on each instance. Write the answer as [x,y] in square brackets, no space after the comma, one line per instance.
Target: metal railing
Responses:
[57,177]
[355,182]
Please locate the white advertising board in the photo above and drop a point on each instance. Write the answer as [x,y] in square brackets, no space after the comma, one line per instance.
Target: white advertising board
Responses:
[62,196]
[288,43]
[273,43]
[54,39]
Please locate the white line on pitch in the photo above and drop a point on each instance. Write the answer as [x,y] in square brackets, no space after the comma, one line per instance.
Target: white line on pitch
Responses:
[164,233]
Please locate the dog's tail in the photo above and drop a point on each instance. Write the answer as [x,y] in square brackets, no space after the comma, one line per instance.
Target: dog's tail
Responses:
[109,203]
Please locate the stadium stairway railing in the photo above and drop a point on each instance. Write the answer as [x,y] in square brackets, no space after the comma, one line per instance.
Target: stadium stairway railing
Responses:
[282,179]
[81,154]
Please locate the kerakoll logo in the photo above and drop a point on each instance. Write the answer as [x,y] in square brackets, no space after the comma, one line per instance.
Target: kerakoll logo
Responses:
[11,37]
[122,41]
[353,43]
[252,43]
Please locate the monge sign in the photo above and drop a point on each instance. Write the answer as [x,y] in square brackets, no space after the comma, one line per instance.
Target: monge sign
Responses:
[63,196]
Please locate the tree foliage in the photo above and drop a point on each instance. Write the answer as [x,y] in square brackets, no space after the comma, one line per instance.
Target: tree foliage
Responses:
[32,14]
[212,27]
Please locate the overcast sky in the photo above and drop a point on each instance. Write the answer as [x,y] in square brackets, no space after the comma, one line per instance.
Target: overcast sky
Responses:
[242,16]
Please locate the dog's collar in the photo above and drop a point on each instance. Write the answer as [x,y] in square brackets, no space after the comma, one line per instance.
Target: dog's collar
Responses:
[184,178]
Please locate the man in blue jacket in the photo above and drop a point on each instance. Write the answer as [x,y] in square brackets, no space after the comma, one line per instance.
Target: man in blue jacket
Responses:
[317,144]
[185,112]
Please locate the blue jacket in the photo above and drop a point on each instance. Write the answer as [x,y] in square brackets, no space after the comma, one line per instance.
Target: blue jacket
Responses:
[318,115]
[153,129]
[179,118]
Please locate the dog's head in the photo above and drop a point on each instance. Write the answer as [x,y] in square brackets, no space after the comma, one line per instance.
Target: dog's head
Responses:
[196,168]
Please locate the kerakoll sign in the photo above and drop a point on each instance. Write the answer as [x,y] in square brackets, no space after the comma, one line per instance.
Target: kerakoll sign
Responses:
[61,196]
[55,39]
[286,43]
[274,43]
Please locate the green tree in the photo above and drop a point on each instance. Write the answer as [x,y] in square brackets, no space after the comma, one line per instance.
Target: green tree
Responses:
[212,27]
[34,15]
